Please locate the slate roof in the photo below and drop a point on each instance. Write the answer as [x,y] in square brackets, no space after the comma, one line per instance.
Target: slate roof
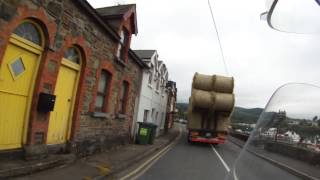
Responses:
[113,15]
[115,10]
[106,26]
[145,54]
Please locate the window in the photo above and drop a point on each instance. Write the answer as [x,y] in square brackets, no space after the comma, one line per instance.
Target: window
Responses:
[150,78]
[102,91]
[151,74]
[122,49]
[123,97]
[17,67]
[156,118]
[145,115]
[152,114]
[28,31]
[158,84]
[72,54]
[162,86]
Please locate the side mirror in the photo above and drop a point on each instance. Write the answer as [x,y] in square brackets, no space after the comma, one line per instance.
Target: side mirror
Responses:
[294,16]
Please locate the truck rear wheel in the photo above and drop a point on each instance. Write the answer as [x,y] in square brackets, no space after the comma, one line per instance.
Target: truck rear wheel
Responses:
[214,145]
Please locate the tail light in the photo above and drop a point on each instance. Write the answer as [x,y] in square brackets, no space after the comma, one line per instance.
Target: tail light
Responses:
[194,133]
[222,135]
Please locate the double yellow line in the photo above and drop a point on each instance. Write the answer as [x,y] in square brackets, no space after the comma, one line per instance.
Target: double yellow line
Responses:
[140,170]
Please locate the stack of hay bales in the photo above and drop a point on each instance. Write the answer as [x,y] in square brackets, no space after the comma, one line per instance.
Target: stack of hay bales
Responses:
[211,102]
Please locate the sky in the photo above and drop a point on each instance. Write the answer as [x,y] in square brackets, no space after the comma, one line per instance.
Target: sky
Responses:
[259,58]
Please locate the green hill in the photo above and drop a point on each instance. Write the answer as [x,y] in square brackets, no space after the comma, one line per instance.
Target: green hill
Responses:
[243,115]
[182,110]
[240,114]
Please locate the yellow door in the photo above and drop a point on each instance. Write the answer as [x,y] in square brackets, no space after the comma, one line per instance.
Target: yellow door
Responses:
[60,118]
[17,72]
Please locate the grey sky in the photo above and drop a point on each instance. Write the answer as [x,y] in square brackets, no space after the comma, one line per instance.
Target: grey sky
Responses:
[301,101]
[259,58]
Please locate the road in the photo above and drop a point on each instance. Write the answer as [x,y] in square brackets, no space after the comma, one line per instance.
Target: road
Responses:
[195,161]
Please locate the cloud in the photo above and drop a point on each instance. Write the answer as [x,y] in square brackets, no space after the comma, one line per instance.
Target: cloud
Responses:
[260,59]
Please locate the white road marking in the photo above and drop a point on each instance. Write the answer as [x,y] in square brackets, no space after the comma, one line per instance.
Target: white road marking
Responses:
[139,174]
[135,174]
[223,162]
[235,177]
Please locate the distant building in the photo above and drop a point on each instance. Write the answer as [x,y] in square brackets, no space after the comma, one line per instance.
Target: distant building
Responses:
[293,122]
[292,136]
[271,132]
[153,95]
[171,105]
[314,123]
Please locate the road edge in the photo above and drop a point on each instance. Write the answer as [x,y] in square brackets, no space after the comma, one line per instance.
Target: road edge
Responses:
[149,161]
[139,158]
[278,164]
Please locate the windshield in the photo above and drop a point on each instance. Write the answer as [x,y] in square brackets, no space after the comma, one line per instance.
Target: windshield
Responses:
[284,143]
[157,89]
[295,16]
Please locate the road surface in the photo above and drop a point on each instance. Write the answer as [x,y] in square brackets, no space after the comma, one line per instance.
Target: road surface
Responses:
[195,161]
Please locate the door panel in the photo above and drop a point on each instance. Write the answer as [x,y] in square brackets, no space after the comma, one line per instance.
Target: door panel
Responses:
[16,79]
[61,116]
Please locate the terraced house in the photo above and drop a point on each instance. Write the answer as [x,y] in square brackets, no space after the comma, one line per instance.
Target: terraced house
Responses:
[68,78]
[153,100]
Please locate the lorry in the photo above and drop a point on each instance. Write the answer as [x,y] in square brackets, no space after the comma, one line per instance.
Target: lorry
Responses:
[210,107]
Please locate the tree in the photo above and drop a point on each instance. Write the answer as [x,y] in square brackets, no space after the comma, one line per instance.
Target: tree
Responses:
[305,122]
[315,118]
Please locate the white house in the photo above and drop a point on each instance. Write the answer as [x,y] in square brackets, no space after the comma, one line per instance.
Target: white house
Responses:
[292,136]
[152,103]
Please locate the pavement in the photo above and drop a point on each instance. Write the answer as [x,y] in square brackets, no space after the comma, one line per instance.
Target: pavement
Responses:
[14,167]
[103,165]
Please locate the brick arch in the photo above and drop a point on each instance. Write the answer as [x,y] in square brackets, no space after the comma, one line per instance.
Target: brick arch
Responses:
[108,66]
[47,77]
[48,29]
[79,43]
[39,16]
[129,100]
[128,79]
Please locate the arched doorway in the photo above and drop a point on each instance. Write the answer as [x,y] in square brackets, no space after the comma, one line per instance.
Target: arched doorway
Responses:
[18,71]
[65,91]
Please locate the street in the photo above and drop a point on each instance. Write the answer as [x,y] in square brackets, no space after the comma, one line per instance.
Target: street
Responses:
[200,161]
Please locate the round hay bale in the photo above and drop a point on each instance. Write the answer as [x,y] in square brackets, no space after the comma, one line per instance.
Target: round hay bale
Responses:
[203,99]
[190,106]
[194,120]
[224,84]
[224,102]
[223,122]
[203,82]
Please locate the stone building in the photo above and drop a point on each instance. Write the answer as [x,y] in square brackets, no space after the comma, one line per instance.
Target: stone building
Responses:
[68,78]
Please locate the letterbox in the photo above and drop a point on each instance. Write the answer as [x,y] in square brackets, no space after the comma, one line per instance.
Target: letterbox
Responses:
[46,102]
